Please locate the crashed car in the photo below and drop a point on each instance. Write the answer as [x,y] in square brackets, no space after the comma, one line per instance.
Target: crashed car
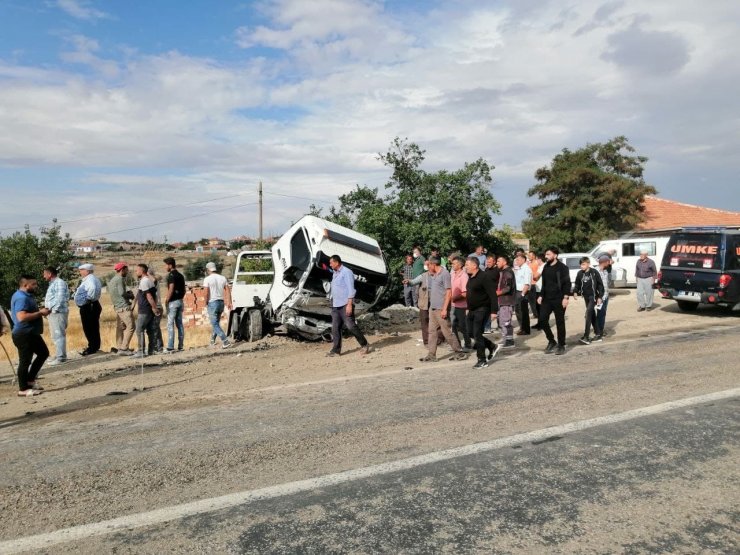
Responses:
[290,285]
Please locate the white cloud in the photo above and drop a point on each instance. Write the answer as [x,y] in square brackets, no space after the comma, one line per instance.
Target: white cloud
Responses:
[508,83]
[81,9]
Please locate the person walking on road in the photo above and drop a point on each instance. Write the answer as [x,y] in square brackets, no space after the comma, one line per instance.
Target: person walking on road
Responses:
[218,298]
[440,301]
[174,303]
[604,263]
[482,305]
[121,299]
[506,293]
[343,307]
[589,286]
[27,335]
[87,298]
[57,301]
[646,274]
[554,299]
[147,304]
[458,317]
[523,274]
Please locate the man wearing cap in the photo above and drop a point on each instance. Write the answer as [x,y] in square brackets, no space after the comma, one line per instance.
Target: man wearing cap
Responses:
[121,299]
[173,302]
[87,298]
[218,296]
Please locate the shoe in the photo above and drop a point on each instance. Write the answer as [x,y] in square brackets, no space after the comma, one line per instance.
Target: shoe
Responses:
[138,354]
[366,350]
[585,340]
[508,344]
[169,351]
[459,355]
[36,386]
[159,352]
[226,345]
[125,352]
[332,354]
[550,348]
[428,358]
[493,352]
[521,332]
[597,339]
[641,309]
[560,351]
[113,350]
[56,362]
[29,392]
[480,364]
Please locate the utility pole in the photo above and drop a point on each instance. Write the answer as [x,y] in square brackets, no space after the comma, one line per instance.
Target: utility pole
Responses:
[260,195]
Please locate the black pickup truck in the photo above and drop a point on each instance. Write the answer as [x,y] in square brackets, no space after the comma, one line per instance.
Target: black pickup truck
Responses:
[702,265]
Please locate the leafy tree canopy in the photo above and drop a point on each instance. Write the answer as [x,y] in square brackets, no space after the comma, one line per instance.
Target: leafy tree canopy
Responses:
[26,253]
[451,210]
[586,195]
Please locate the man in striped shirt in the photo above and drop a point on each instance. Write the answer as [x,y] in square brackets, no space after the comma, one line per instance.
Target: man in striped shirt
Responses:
[57,301]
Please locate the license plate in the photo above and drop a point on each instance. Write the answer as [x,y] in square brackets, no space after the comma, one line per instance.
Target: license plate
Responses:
[689,294]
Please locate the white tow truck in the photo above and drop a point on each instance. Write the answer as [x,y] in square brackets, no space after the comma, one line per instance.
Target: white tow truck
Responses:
[290,285]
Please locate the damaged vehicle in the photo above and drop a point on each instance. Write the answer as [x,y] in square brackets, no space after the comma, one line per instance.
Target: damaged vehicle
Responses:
[290,285]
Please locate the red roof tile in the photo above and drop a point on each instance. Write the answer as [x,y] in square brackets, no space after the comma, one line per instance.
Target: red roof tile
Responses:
[667,214]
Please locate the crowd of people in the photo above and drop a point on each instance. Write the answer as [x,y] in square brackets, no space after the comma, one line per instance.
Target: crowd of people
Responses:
[460,297]
[138,312]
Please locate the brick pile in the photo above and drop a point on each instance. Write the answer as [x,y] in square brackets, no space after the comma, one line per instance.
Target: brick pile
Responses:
[195,309]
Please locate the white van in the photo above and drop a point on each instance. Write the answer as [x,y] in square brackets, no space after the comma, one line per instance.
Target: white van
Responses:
[625,251]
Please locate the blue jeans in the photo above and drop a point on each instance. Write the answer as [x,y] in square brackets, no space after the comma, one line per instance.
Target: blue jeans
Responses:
[601,315]
[58,330]
[215,310]
[174,320]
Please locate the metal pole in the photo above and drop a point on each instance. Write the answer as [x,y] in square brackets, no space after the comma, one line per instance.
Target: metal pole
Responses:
[15,374]
[260,195]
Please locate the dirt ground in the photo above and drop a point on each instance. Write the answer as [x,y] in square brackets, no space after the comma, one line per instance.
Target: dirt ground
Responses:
[108,386]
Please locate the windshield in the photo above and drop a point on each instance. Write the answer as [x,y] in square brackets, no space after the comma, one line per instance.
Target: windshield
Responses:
[694,250]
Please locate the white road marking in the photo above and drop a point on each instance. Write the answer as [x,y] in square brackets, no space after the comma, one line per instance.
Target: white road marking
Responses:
[176,512]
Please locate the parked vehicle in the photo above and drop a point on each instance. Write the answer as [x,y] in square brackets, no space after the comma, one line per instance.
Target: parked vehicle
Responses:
[290,285]
[702,266]
[625,251]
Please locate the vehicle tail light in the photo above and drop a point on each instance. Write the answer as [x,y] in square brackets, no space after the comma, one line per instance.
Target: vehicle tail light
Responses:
[724,281]
[712,298]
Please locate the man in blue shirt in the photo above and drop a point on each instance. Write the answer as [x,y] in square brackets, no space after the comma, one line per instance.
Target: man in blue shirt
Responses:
[87,298]
[342,311]
[27,335]
[57,301]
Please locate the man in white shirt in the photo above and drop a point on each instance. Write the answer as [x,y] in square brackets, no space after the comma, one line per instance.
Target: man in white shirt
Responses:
[523,274]
[218,296]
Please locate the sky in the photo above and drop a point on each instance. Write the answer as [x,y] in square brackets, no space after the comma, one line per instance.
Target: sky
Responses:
[154,120]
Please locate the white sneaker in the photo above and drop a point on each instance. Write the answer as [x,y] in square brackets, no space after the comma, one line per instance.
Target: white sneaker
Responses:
[226,345]
[56,362]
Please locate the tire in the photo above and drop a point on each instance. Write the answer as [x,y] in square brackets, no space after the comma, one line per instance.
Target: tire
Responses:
[234,332]
[687,306]
[252,326]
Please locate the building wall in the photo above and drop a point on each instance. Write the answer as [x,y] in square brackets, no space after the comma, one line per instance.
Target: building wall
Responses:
[195,309]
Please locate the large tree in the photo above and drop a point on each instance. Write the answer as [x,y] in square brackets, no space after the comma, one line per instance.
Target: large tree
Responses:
[451,210]
[26,253]
[587,195]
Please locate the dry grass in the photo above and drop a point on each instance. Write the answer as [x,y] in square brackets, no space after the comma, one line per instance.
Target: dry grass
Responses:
[198,336]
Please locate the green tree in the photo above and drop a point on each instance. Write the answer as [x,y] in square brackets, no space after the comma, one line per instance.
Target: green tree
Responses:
[586,195]
[451,210]
[196,269]
[26,253]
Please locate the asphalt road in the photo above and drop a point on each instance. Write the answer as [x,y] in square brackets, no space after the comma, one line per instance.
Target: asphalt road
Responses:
[664,483]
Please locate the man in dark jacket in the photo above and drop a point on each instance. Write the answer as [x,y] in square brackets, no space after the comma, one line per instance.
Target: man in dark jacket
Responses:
[590,286]
[482,305]
[506,293]
[554,299]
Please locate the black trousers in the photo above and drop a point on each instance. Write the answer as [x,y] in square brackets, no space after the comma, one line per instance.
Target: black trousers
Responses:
[90,317]
[550,306]
[532,296]
[460,324]
[476,325]
[591,317]
[28,345]
[340,319]
[521,306]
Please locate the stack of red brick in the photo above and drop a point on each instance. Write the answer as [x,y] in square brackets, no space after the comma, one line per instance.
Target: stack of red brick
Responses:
[195,310]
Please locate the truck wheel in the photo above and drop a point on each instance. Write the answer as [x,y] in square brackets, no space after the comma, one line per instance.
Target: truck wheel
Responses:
[687,306]
[234,326]
[254,326]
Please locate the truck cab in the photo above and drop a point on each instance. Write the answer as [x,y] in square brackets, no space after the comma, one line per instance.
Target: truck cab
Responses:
[290,285]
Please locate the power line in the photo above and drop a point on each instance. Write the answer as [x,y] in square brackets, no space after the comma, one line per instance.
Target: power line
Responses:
[301,198]
[126,213]
[165,222]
